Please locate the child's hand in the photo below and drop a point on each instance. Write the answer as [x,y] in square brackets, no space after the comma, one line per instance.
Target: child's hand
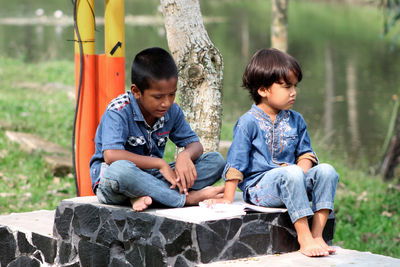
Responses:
[185,171]
[170,176]
[209,203]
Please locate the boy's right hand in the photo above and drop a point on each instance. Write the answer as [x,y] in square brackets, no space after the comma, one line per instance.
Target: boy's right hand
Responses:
[170,176]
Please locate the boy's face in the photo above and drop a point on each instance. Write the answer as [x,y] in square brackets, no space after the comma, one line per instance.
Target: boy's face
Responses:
[155,101]
[280,95]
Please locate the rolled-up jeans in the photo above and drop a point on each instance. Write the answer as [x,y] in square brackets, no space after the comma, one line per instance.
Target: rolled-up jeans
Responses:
[289,186]
[123,180]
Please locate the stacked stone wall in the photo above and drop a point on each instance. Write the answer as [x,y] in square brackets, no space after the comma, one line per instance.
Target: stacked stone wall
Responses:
[92,234]
[99,235]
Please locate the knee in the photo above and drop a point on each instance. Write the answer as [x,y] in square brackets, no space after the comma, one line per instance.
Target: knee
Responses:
[118,169]
[327,172]
[294,174]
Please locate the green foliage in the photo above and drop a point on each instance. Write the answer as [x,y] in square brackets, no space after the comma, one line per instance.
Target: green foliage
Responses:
[391,25]
[391,14]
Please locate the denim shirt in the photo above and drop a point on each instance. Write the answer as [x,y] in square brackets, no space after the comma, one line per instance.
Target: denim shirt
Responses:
[123,127]
[259,144]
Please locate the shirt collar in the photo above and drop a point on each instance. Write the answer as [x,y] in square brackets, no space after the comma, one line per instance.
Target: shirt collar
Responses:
[264,115]
[138,116]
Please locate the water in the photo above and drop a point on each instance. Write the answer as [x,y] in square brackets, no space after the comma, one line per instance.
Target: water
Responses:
[350,73]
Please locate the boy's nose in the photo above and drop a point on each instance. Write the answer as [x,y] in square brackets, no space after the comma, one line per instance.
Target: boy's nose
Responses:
[166,103]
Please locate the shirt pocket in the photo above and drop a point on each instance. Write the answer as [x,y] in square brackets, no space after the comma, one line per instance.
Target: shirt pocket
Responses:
[136,141]
[289,141]
[162,141]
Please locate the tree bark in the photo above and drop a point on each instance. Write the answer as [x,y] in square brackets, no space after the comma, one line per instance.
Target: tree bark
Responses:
[279,25]
[200,69]
[390,157]
[351,79]
[329,94]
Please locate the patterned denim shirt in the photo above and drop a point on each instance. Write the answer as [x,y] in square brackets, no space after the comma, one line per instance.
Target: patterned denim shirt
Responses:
[123,127]
[259,144]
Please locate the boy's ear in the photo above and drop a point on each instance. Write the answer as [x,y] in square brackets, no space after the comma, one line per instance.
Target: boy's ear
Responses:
[263,91]
[135,91]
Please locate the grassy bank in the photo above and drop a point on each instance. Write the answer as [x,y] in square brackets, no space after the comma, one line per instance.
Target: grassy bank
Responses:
[37,101]
[367,209]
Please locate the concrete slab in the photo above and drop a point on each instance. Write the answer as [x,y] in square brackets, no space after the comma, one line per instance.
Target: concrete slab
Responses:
[30,143]
[342,258]
[40,222]
[59,160]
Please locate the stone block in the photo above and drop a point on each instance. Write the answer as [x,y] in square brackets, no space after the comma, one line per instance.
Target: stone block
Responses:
[30,143]
[47,245]
[59,160]
[92,254]
[8,246]
[26,240]
[23,244]
[24,261]
[104,234]
[65,251]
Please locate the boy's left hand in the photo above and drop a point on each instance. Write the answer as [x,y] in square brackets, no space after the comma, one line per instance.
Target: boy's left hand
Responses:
[185,171]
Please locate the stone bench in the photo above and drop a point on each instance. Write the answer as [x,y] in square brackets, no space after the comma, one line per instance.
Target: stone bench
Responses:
[87,233]
[26,239]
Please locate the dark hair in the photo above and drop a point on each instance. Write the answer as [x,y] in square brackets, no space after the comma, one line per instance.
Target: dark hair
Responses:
[150,65]
[266,67]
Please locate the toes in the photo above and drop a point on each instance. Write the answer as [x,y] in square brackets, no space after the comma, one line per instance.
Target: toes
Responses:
[141,203]
[315,252]
[148,201]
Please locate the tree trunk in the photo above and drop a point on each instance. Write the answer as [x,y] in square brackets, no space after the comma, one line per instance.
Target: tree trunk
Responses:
[390,157]
[329,94]
[200,69]
[279,24]
[351,92]
[244,39]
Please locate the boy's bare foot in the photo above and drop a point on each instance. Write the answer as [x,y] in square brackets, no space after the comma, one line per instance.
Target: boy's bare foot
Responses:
[194,197]
[311,248]
[141,203]
[324,245]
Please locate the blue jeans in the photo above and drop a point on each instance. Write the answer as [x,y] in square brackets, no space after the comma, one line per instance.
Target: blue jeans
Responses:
[289,186]
[122,180]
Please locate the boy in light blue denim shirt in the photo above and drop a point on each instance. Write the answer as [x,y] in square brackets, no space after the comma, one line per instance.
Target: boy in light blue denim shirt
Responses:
[128,165]
[271,158]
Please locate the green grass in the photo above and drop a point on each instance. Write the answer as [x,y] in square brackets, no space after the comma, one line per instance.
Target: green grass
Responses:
[29,103]
[367,209]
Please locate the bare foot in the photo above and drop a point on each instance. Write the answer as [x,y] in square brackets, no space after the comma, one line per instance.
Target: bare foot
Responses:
[194,197]
[324,245]
[311,248]
[141,203]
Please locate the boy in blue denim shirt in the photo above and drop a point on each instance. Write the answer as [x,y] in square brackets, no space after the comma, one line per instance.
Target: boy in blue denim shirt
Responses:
[128,166]
[271,159]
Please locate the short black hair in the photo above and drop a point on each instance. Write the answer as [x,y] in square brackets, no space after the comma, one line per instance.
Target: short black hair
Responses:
[266,67]
[150,65]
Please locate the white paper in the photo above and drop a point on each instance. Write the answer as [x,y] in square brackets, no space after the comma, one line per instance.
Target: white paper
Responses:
[200,214]
[218,211]
[262,209]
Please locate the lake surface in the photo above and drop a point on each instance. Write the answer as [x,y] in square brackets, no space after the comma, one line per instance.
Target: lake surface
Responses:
[350,72]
